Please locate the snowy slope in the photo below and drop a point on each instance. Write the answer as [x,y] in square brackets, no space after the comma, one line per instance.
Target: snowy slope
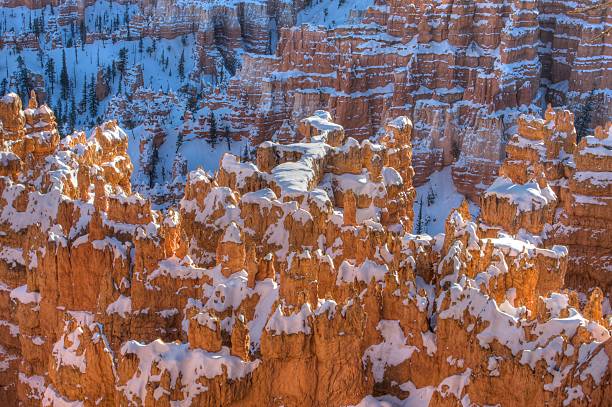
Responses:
[332,13]
[438,197]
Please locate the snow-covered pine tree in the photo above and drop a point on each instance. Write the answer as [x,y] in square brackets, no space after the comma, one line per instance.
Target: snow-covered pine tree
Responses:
[23,78]
[419,222]
[181,66]
[431,197]
[64,79]
[583,117]
[228,138]
[213,129]
[50,72]
[93,100]
[72,116]
[83,103]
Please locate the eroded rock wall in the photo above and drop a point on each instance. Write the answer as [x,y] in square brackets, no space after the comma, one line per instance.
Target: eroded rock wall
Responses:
[559,191]
[291,280]
[462,72]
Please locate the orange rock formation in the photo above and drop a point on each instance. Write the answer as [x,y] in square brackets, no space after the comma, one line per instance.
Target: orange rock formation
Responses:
[289,281]
[561,192]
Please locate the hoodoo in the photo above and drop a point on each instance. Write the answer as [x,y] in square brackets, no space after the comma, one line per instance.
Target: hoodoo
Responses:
[367,203]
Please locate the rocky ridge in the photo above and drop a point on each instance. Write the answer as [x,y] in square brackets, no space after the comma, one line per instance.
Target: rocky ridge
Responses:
[559,191]
[267,275]
[463,72]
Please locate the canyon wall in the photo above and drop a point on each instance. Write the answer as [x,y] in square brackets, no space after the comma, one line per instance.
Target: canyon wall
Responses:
[291,280]
[462,72]
[559,191]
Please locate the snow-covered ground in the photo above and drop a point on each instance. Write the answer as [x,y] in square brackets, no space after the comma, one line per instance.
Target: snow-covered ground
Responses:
[438,197]
[159,59]
[83,64]
[332,13]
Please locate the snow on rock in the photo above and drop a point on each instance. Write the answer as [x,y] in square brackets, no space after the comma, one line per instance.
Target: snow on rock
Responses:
[24,296]
[268,292]
[232,234]
[596,366]
[366,271]
[391,352]
[279,323]
[121,306]
[179,362]
[333,12]
[72,355]
[435,200]
[51,398]
[526,197]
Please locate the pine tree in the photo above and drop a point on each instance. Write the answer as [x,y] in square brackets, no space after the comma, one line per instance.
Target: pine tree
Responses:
[83,32]
[228,138]
[419,222]
[179,141]
[213,129]
[72,117]
[84,95]
[50,72]
[64,79]
[181,66]
[23,78]
[93,100]
[37,26]
[41,58]
[3,86]
[122,63]
[127,22]
[59,114]
[154,161]
[583,117]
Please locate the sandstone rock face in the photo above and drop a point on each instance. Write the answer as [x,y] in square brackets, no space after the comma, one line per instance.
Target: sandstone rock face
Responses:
[291,280]
[462,72]
[559,191]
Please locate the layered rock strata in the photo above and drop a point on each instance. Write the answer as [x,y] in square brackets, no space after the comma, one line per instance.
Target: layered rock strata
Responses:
[462,72]
[289,281]
[559,191]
